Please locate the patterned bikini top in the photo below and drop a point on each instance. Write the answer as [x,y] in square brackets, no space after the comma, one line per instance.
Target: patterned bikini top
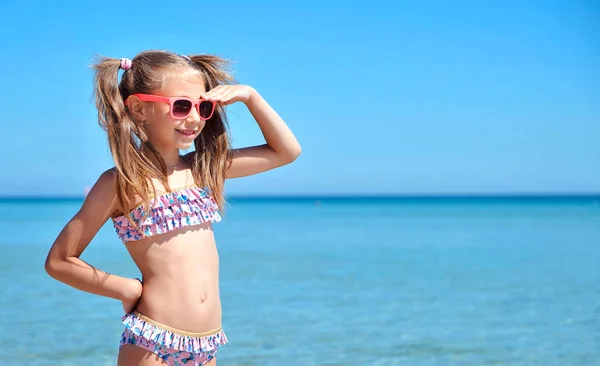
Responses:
[169,211]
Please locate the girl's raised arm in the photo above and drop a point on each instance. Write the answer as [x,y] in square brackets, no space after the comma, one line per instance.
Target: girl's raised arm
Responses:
[281,146]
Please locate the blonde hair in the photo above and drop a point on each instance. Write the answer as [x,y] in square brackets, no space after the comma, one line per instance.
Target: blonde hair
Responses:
[131,151]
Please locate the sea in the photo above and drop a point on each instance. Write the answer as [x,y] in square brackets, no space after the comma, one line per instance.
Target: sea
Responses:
[416,281]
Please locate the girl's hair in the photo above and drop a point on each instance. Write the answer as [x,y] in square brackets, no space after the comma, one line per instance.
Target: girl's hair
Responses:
[132,153]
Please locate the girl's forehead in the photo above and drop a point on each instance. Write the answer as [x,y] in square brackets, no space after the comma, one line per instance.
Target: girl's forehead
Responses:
[189,84]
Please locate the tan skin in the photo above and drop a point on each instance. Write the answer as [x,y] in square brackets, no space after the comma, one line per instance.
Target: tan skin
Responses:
[180,269]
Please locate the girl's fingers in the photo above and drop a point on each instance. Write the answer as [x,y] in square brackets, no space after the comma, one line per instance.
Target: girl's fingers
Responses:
[223,97]
[213,95]
[223,94]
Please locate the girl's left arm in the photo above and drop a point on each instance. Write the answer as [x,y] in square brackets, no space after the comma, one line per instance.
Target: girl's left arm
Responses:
[281,146]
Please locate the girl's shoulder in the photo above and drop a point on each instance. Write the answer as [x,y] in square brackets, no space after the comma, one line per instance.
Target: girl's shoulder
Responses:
[102,196]
[107,182]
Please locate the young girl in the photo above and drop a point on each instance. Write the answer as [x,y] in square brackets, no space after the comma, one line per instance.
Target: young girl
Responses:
[163,204]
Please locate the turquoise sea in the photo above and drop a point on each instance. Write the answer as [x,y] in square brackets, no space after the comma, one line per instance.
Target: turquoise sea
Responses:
[341,281]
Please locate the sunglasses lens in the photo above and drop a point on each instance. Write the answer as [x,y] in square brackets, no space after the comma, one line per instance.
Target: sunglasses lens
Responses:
[206,109]
[181,108]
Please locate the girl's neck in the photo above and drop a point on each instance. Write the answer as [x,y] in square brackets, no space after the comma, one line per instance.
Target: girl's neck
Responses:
[170,157]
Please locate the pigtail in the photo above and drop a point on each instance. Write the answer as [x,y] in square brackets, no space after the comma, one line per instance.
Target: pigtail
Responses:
[210,162]
[124,135]
[214,69]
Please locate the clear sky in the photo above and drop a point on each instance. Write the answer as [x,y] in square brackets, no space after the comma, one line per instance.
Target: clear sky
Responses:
[385,97]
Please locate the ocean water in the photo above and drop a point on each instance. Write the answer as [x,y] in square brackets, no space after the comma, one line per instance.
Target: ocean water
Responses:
[341,282]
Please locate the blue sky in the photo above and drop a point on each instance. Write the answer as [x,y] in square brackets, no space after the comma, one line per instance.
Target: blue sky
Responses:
[385,98]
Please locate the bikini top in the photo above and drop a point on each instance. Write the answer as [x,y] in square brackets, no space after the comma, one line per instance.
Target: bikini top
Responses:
[170,211]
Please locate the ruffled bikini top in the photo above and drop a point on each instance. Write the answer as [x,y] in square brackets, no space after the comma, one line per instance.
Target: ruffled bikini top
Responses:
[170,211]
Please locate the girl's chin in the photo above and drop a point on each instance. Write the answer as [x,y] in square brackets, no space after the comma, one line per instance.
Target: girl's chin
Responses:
[184,146]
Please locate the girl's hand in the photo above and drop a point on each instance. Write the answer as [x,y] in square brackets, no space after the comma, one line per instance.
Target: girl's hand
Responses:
[229,94]
[132,295]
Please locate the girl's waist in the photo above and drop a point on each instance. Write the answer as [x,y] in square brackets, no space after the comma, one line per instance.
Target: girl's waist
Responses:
[195,310]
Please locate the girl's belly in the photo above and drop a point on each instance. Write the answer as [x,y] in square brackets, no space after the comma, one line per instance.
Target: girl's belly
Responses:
[180,275]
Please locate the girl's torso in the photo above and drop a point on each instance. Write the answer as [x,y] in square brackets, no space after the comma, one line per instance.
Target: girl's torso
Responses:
[174,247]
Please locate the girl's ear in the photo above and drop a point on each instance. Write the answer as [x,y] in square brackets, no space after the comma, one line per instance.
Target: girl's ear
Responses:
[136,108]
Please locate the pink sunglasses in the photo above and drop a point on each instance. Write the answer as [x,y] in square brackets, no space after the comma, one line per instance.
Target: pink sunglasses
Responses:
[182,107]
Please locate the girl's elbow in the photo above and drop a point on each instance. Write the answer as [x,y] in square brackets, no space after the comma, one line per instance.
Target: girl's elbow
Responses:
[293,153]
[53,266]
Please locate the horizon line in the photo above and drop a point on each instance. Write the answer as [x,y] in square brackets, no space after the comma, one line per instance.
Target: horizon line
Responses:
[324,196]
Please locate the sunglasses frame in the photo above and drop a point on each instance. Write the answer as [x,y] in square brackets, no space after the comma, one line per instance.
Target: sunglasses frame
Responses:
[171,101]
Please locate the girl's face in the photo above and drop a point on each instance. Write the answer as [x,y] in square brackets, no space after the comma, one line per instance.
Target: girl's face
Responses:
[166,132]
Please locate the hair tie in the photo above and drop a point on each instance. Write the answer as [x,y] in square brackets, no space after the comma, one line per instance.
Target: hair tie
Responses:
[187,58]
[125,64]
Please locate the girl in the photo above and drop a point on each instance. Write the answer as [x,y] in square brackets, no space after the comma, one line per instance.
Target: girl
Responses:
[163,204]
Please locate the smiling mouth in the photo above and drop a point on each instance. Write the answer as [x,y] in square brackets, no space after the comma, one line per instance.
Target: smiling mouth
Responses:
[186,133]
